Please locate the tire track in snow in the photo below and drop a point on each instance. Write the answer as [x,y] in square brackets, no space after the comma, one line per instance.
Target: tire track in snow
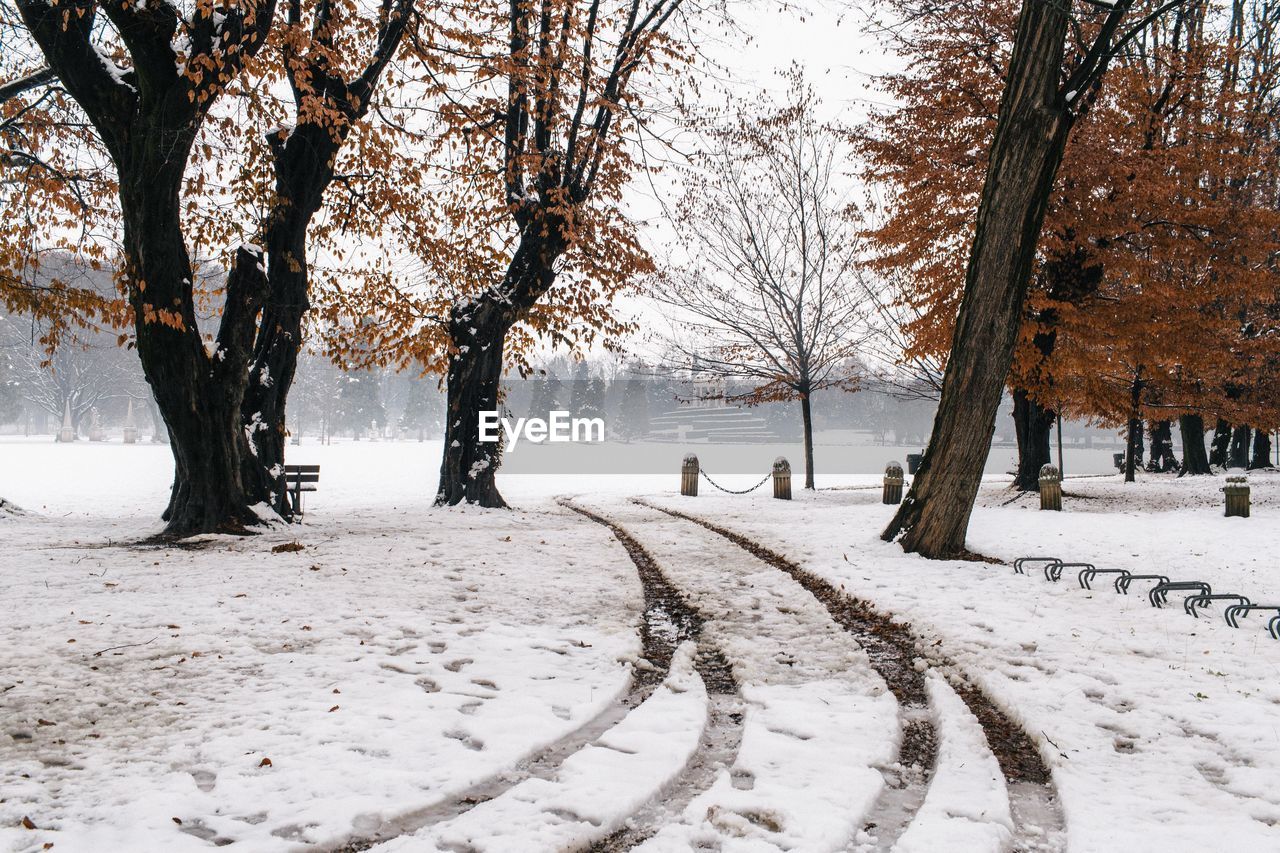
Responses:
[891,647]
[668,621]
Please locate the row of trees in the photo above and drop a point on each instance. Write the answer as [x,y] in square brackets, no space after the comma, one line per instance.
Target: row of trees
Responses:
[1132,222]
[288,138]
[449,186]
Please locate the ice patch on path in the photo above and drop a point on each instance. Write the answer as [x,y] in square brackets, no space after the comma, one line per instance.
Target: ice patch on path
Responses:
[595,789]
[967,805]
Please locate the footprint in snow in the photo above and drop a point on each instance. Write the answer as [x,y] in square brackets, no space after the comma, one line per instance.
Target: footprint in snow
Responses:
[470,742]
[204,779]
[457,665]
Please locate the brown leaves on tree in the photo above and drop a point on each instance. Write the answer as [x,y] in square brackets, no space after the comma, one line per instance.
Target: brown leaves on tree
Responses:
[1154,265]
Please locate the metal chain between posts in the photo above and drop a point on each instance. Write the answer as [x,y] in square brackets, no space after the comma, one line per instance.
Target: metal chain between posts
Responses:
[731,491]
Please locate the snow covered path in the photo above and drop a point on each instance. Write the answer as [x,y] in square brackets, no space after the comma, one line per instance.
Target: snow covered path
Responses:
[818,720]
[966,796]
[1160,730]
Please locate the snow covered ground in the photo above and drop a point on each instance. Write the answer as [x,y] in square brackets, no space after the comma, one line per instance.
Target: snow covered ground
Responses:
[1160,729]
[369,684]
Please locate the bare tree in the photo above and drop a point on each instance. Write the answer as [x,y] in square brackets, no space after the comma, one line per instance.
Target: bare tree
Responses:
[83,372]
[768,292]
[76,369]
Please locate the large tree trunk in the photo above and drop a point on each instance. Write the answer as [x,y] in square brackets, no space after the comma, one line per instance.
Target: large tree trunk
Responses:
[198,395]
[1194,459]
[1261,450]
[1033,426]
[1162,459]
[1221,444]
[1031,134]
[147,119]
[478,330]
[1238,457]
[304,161]
[806,415]
[469,469]
[275,360]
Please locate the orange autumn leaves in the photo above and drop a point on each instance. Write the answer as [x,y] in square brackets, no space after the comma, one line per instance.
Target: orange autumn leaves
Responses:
[533,136]
[1168,190]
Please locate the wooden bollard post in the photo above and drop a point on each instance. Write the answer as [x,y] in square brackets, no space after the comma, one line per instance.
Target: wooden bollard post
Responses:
[892,483]
[689,476]
[1050,488]
[782,479]
[1237,492]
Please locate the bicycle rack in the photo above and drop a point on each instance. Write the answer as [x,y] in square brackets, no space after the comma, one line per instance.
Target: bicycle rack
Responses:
[1123,583]
[1087,576]
[1191,602]
[1159,594]
[1021,562]
[1233,613]
[1057,570]
[1202,593]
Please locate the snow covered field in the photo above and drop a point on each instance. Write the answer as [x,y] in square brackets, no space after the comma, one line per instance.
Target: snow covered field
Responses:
[407,678]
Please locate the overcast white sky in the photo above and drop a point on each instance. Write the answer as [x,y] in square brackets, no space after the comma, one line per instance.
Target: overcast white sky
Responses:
[828,39]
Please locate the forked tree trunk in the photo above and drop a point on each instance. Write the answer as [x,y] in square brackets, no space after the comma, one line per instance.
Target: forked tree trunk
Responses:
[1031,134]
[1194,459]
[1238,457]
[1261,450]
[1162,459]
[147,119]
[198,394]
[303,160]
[1221,444]
[1033,426]
[806,415]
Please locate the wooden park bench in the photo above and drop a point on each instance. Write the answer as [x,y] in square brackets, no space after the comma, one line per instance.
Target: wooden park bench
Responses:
[299,479]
